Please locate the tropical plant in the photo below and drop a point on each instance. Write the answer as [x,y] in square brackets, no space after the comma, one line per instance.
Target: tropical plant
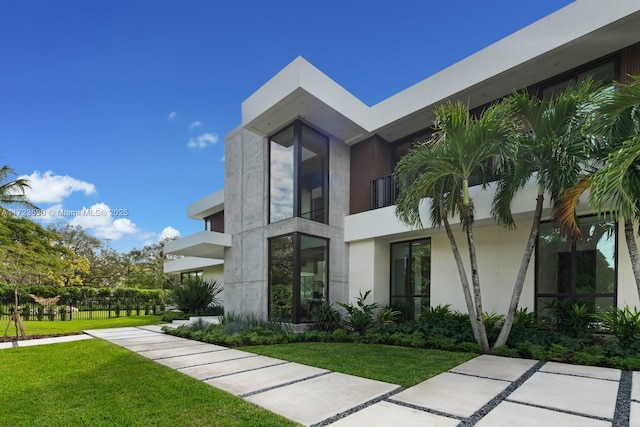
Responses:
[13,193]
[462,148]
[360,316]
[327,318]
[552,152]
[615,185]
[388,315]
[196,294]
[623,323]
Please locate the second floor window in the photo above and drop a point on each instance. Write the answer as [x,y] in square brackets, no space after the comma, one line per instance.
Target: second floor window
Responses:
[298,174]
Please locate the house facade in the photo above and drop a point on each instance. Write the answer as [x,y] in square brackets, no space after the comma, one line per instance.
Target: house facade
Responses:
[307,210]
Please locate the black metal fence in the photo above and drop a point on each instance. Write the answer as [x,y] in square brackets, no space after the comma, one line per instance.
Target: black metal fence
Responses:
[85,310]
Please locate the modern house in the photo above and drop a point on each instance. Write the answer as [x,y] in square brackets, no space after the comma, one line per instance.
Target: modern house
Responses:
[307,210]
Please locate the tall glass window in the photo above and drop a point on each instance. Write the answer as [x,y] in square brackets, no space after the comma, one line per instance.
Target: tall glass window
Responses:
[411,276]
[299,174]
[581,272]
[298,277]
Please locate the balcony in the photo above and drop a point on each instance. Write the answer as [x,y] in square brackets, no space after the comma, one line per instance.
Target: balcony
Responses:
[190,264]
[383,192]
[204,244]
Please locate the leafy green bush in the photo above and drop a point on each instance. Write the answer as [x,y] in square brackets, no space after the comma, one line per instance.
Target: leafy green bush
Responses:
[524,319]
[328,318]
[438,312]
[441,342]
[593,355]
[388,315]
[195,294]
[631,363]
[505,351]
[493,320]
[360,316]
[624,324]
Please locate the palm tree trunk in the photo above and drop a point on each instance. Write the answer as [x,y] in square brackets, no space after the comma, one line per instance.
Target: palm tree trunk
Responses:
[522,273]
[475,280]
[633,251]
[464,282]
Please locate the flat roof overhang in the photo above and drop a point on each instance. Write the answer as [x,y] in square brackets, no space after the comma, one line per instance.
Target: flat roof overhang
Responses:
[204,244]
[207,206]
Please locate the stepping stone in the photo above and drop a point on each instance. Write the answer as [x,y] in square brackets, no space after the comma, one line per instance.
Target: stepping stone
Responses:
[517,415]
[384,414]
[496,367]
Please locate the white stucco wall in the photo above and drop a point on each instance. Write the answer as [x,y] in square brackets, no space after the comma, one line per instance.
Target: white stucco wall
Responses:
[215,272]
[499,254]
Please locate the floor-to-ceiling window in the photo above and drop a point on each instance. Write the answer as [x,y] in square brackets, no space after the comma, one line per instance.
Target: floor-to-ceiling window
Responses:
[582,272]
[298,174]
[411,276]
[298,277]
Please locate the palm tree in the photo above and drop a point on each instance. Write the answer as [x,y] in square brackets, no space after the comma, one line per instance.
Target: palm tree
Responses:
[460,149]
[12,193]
[553,152]
[615,185]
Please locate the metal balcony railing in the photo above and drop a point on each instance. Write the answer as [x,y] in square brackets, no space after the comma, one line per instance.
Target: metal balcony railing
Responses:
[383,192]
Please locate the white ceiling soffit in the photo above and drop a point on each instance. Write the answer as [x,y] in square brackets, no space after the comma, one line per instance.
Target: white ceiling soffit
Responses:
[576,34]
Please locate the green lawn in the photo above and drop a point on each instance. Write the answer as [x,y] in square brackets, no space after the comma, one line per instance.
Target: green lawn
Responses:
[397,365]
[46,327]
[95,383]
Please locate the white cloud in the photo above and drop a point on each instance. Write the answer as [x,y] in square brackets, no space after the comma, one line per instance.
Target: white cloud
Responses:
[98,218]
[51,188]
[172,116]
[222,159]
[195,124]
[168,233]
[203,141]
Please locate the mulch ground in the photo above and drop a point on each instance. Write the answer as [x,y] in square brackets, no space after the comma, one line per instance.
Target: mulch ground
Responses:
[35,337]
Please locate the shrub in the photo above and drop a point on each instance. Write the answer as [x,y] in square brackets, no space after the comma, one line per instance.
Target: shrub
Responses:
[505,351]
[624,324]
[195,294]
[438,312]
[579,318]
[327,318]
[388,315]
[593,355]
[493,320]
[360,316]
[468,347]
[441,342]
[631,363]
[523,319]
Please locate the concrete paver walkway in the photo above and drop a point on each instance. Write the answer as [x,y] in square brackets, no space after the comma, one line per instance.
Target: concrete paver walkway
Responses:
[485,391]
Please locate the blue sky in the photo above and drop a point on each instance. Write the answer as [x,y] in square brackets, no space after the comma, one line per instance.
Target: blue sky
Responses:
[124,105]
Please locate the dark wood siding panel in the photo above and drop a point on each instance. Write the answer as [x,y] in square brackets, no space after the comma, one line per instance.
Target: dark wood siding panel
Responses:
[215,222]
[370,159]
[630,62]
